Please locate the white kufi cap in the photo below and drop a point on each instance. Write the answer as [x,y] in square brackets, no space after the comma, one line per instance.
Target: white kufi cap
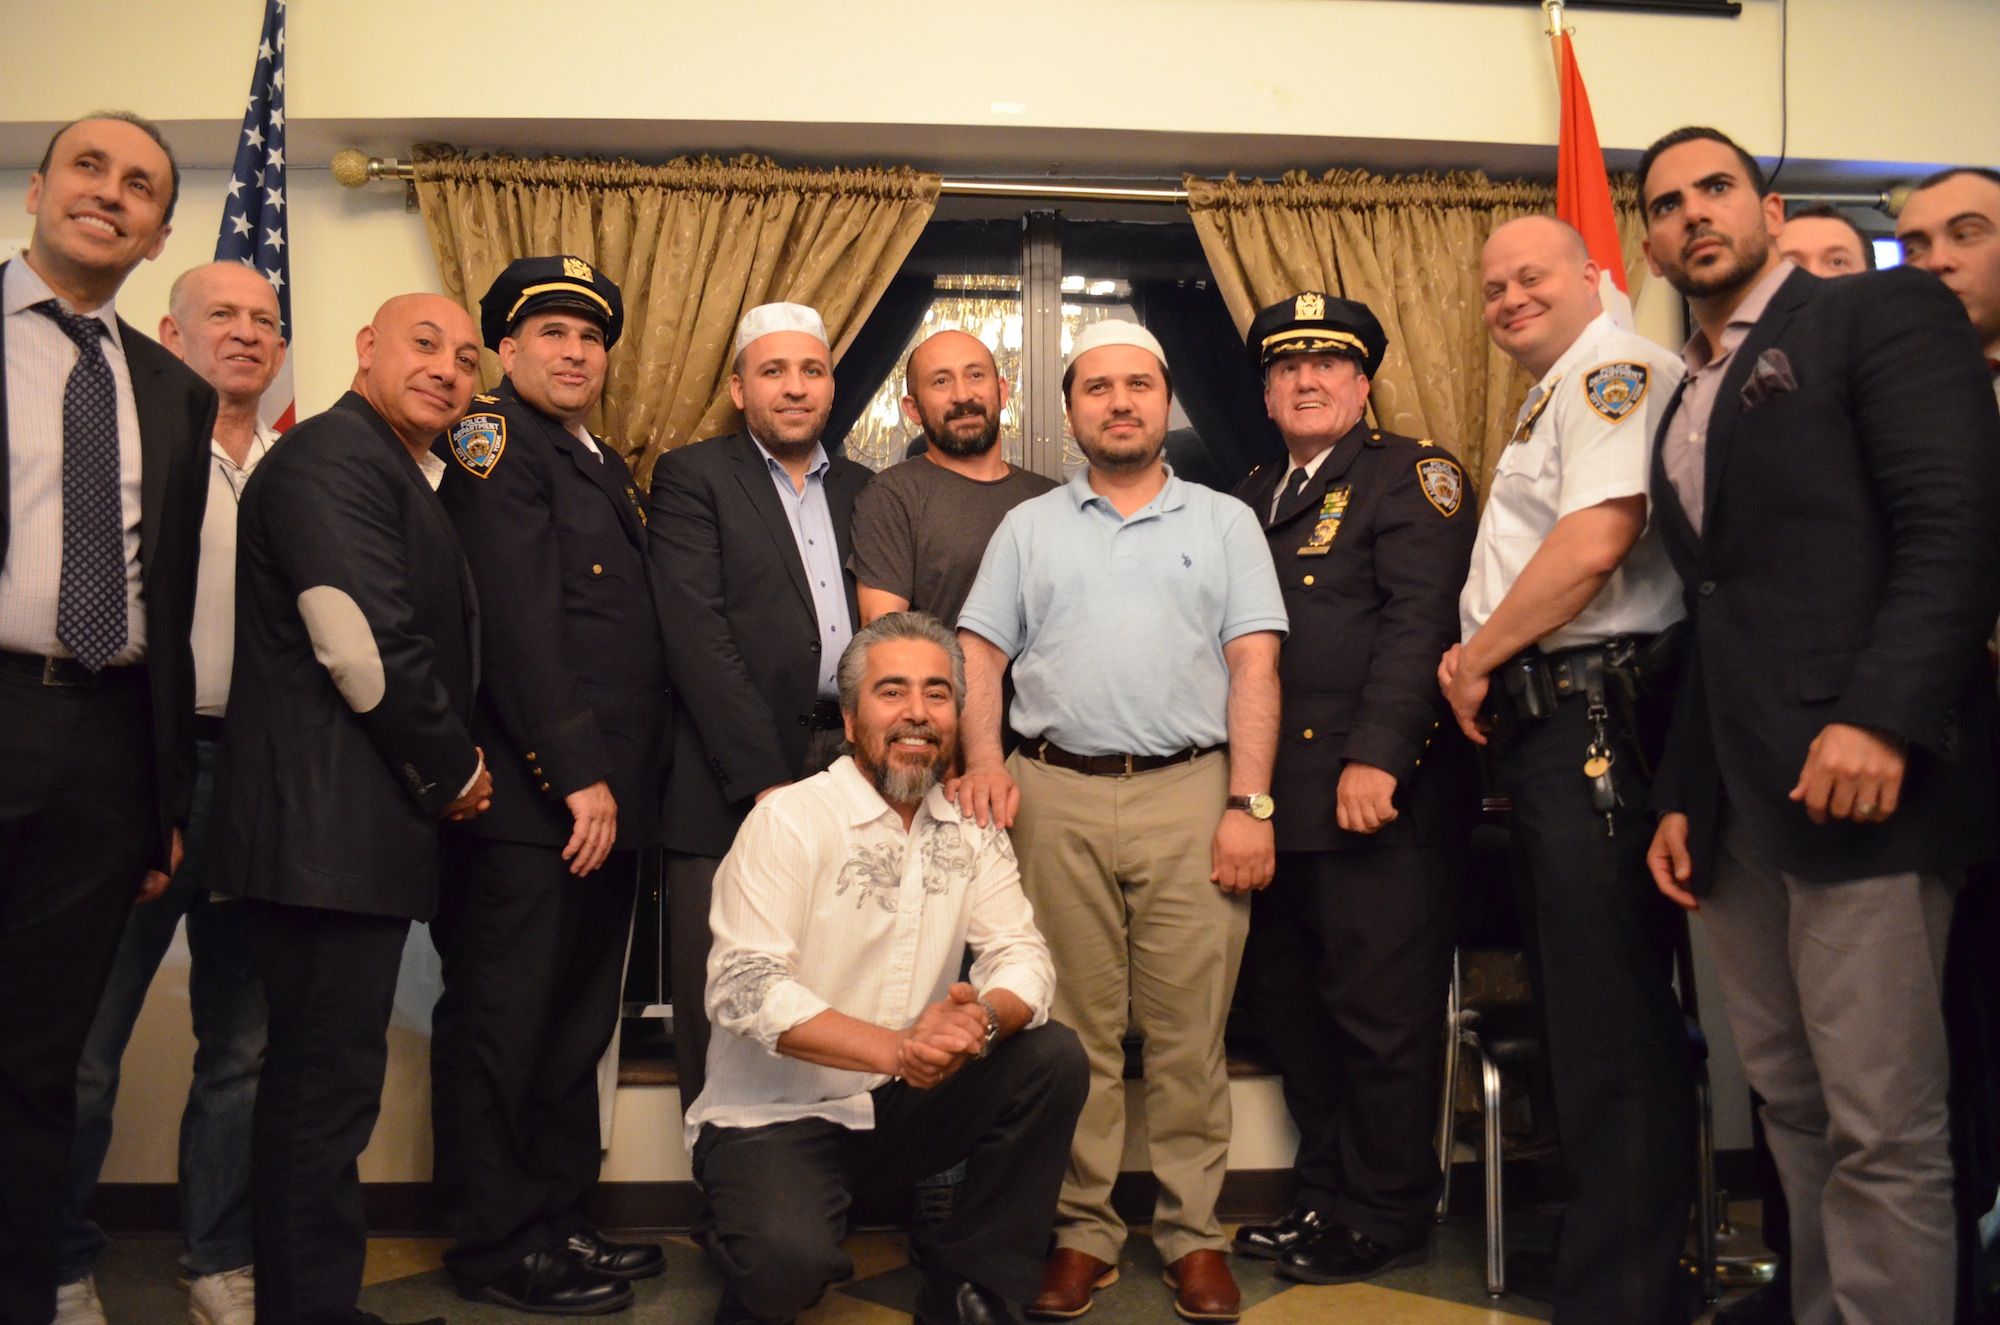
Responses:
[1115,331]
[767,318]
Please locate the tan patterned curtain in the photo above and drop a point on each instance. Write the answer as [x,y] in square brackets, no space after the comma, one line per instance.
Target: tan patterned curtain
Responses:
[1407,247]
[692,244]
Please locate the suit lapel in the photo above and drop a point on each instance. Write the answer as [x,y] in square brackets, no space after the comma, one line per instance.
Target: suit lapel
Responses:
[6,494]
[146,364]
[1785,304]
[1665,497]
[747,458]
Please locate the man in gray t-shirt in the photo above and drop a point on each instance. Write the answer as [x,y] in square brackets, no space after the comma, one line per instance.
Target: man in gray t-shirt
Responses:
[921,526]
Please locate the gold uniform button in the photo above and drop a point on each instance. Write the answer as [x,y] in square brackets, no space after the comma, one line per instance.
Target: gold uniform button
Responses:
[1309,580]
[530,756]
[596,569]
[538,770]
[545,786]
[1309,733]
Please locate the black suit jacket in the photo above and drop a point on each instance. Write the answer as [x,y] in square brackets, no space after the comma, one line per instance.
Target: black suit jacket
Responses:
[334,773]
[1848,571]
[743,643]
[176,423]
[574,677]
[1370,616]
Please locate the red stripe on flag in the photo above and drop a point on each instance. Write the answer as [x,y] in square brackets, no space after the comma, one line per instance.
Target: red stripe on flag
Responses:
[1583,190]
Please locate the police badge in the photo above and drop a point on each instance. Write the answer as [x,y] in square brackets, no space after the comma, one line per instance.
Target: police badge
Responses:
[1443,484]
[477,441]
[1615,389]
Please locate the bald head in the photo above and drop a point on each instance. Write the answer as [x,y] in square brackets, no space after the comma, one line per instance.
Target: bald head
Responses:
[955,393]
[1539,287]
[417,363]
[222,321]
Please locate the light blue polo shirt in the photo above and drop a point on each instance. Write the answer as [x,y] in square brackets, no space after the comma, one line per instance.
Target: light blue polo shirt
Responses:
[1116,625]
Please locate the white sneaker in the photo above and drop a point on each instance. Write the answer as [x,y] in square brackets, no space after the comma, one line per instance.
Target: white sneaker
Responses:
[229,1298]
[77,1304]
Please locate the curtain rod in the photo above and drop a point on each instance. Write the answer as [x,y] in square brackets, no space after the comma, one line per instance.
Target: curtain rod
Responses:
[354,168]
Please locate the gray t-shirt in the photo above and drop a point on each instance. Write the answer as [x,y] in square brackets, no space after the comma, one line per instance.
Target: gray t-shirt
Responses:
[920,530]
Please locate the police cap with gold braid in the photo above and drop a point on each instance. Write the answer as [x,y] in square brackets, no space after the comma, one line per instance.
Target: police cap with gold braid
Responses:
[1315,323]
[542,285]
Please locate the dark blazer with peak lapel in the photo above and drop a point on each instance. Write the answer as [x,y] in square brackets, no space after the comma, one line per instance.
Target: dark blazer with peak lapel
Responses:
[333,780]
[743,643]
[1848,571]
[176,424]
[1370,618]
[574,685]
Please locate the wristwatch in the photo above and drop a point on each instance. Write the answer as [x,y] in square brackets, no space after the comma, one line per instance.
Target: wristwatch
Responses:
[992,1027]
[1258,805]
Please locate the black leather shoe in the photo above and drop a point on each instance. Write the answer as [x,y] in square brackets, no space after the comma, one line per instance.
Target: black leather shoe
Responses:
[1342,1256]
[960,1302]
[554,1283]
[1268,1242]
[620,1260]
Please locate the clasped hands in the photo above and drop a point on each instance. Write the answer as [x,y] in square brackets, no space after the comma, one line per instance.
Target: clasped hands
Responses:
[945,1036]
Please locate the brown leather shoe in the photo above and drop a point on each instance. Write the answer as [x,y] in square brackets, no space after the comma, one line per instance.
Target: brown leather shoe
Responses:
[1203,1287]
[1068,1280]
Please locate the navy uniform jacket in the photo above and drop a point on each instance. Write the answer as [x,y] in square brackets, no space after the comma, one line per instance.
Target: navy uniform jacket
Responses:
[1371,615]
[1848,570]
[575,676]
[743,641]
[357,655]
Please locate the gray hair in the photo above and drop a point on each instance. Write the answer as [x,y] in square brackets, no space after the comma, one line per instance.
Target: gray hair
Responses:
[898,626]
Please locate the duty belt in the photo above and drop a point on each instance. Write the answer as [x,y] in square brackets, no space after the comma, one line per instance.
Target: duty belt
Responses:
[1111,766]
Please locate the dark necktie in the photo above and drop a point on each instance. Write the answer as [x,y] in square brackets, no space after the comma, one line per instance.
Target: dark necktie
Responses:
[90,605]
[1293,487]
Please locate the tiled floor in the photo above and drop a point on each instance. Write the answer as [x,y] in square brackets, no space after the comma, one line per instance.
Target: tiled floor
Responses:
[140,1284]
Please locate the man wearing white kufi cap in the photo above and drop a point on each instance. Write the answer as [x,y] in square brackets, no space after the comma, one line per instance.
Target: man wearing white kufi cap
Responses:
[1143,616]
[749,537]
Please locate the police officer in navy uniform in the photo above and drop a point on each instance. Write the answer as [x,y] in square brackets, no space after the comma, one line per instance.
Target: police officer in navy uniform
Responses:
[1349,949]
[572,717]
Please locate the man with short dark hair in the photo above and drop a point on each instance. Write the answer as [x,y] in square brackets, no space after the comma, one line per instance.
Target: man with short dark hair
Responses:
[222,321]
[348,743]
[537,898]
[1829,487]
[103,439]
[848,1054]
[1143,617]
[921,526]
[748,543]
[1824,240]
[1951,228]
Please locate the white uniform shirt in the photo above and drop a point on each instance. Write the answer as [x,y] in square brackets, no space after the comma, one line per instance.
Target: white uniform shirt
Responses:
[1579,443]
[825,901]
[215,580]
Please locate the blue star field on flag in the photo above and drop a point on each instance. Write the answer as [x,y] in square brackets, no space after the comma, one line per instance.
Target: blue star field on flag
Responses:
[253,215]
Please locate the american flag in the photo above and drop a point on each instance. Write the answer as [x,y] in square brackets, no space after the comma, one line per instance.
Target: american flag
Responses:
[253,216]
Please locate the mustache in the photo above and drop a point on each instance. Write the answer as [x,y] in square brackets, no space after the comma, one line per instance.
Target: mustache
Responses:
[971,409]
[1698,236]
[921,730]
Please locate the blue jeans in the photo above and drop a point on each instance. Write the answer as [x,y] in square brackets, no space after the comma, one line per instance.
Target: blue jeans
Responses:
[227,999]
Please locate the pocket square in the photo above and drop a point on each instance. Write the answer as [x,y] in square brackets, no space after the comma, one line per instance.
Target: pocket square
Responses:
[1772,377]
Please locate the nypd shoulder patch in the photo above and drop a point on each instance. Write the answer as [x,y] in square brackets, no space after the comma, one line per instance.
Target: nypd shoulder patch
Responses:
[1443,483]
[477,441]
[1614,390]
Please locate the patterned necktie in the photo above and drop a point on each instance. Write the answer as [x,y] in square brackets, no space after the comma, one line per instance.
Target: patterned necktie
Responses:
[90,605]
[1293,487]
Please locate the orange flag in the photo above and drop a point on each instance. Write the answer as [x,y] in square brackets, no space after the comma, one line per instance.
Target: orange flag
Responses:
[1583,190]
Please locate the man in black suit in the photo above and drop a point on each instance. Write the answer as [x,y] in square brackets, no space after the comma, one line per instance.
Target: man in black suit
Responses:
[538,891]
[357,656]
[1829,485]
[1350,947]
[103,474]
[749,548]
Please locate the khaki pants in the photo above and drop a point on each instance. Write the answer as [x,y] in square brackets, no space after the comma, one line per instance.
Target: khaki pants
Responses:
[1117,870]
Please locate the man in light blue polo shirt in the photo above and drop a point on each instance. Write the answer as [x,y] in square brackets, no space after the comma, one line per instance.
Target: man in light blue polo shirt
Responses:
[1143,617]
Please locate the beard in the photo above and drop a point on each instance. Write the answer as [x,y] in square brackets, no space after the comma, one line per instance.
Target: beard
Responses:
[1122,458]
[1744,263]
[942,436]
[909,780]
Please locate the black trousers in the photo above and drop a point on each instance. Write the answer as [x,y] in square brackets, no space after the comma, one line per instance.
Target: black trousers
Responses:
[533,962]
[1600,943]
[780,1193]
[78,828]
[690,884]
[1346,968]
[331,979]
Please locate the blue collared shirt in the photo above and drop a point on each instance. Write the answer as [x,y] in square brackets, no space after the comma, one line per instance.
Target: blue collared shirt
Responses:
[1116,624]
[812,529]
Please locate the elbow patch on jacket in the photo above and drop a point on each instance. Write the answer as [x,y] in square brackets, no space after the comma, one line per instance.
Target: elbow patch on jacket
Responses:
[344,644]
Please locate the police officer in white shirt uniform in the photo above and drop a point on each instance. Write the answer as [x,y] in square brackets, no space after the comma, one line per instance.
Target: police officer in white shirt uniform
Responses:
[1565,617]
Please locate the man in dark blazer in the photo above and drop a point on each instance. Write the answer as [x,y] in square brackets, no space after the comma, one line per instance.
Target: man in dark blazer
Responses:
[103,475]
[1350,947]
[538,890]
[1829,485]
[749,548]
[357,656]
